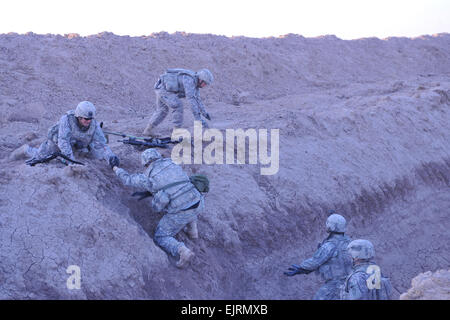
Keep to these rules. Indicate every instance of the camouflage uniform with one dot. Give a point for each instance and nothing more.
(355, 286)
(67, 136)
(187, 88)
(181, 203)
(333, 263)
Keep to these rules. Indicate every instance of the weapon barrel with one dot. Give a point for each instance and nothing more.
(123, 135)
(143, 143)
(159, 141)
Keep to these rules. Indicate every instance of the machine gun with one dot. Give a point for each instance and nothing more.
(143, 142)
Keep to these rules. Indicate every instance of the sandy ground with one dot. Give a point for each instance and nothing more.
(363, 130)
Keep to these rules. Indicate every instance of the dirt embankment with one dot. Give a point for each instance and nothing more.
(363, 131)
(429, 286)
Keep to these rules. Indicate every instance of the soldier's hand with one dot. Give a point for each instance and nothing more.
(114, 161)
(293, 270)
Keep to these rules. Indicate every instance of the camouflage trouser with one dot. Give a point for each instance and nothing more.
(164, 100)
(48, 147)
(170, 225)
(330, 290)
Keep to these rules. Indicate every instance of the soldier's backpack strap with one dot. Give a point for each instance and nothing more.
(348, 278)
(200, 182)
(176, 184)
(173, 184)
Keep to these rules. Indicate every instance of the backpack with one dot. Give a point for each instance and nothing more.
(384, 293)
(170, 79)
(200, 182)
(340, 263)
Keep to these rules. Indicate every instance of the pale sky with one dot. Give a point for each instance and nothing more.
(347, 19)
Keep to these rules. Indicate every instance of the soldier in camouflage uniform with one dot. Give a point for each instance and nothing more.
(331, 260)
(176, 84)
(366, 281)
(174, 195)
(77, 130)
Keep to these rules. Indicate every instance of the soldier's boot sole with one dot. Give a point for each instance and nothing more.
(186, 256)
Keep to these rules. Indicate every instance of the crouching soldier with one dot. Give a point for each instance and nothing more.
(331, 260)
(174, 195)
(76, 131)
(174, 85)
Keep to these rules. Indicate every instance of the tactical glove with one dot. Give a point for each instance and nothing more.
(114, 161)
(207, 116)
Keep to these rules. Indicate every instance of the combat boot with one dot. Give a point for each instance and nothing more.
(19, 153)
(191, 230)
(186, 256)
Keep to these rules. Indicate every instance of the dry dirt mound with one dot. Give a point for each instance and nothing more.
(429, 286)
(363, 130)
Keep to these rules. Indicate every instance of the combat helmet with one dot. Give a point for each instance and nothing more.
(150, 155)
(206, 76)
(336, 223)
(361, 249)
(85, 109)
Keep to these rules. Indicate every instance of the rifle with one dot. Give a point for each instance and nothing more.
(143, 142)
(32, 162)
